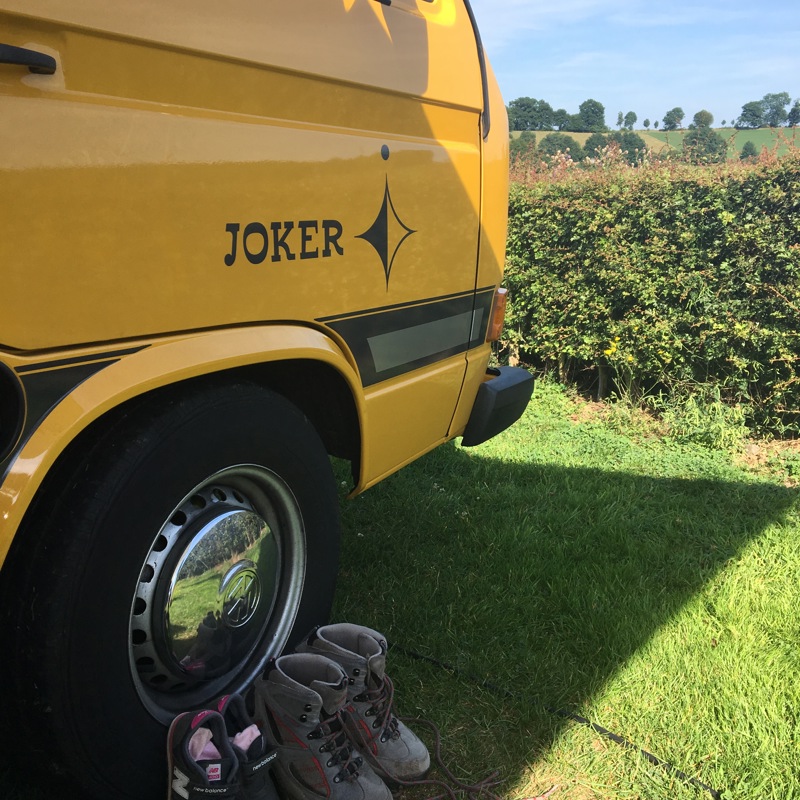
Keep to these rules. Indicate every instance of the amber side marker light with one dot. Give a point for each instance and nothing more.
(498, 315)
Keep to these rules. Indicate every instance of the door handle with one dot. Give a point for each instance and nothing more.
(40, 63)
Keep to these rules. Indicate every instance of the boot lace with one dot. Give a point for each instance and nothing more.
(337, 745)
(381, 700)
(448, 787)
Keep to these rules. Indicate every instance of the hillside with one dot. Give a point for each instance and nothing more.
(657, 141)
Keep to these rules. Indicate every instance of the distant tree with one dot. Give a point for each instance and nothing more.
(592, 115)
(703, 119)
(702, 145)
(519, 114)
(522, 146)
(630, 120)
(793, 117)
(594, 144)
(560, 119)
(529, 114)
(631, 144)
(559, 142)
(775, 108)
(655, 124)
(673, 119)
(724, 122)
(749, 150)
(752, 115)
(620, 120)
(646, 124)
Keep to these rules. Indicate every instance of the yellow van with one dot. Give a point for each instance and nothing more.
(236, 238)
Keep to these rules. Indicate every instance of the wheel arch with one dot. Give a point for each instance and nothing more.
(301, 364)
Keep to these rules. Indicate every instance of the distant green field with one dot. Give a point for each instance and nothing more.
(651, 141)
(780, 138)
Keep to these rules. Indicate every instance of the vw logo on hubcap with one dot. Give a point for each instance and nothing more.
(239, 594)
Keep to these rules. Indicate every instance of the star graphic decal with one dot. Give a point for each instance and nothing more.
(387, 233)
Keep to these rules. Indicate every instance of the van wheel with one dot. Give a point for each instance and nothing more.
(197, 538)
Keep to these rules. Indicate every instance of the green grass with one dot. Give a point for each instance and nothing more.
(582, 561)
(647, 585)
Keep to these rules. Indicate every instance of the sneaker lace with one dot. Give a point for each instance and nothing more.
(336, 743)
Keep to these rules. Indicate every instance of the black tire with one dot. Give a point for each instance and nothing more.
(97, 649)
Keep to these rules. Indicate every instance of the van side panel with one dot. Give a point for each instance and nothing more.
(187, 169)
(198, 171)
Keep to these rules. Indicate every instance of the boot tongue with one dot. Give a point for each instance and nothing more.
(375, 653)
(334, 695)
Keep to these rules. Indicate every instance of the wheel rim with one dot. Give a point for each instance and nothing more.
(219, 591)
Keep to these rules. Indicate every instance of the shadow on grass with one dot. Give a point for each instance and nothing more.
(540, 579)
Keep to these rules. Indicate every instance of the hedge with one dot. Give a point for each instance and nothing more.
(663, 277)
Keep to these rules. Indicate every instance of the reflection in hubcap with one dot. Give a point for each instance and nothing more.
(218, 592)
(213, 613)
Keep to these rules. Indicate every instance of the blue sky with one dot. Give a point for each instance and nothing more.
(645, 57)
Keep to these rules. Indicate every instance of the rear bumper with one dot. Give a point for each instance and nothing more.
(499, 404)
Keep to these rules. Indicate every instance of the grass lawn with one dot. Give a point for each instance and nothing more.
(582, 563)
(649, 586)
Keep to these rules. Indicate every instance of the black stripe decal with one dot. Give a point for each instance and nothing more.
(49, 382)
(44, 390)
(412, 304)
(65, 362)
(396, 340)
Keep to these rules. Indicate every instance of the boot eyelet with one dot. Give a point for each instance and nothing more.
(337, 779)
(307, 707)
(376, 723)
(303, 718)
(356, 672)
(351, 681)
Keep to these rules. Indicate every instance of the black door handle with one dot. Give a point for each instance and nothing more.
(40, 63)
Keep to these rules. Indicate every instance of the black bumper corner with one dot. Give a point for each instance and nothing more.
(499, 404)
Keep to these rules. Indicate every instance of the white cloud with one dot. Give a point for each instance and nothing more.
(503, 21)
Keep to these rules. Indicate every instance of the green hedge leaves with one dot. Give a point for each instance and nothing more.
(664, 278)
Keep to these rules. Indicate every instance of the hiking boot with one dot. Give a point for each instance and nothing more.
(201, 761)
(396, 752)
(251, 749)
(300, 700)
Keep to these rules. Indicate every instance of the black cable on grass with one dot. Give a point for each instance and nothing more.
(614, 737)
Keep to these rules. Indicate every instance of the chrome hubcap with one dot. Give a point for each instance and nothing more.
(219, 591)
